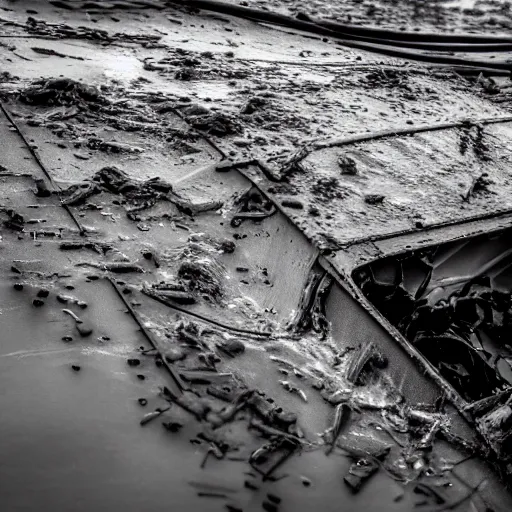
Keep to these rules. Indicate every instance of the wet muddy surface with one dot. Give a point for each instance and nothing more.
(70, 432)
(184, 196)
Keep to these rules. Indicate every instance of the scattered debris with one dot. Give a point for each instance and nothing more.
(60, 91)
(327, 189)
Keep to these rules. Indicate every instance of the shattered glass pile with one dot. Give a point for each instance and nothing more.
(453, 302)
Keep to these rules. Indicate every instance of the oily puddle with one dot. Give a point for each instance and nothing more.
(453, 302)
(71, 440)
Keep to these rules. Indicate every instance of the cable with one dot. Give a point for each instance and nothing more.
(411, 131)
(361, 38)
(325, 27)
(206, 319)
(399, 35)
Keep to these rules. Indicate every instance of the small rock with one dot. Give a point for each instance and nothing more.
(133, 362)
(83, 329)
(347, 165)
(82, 156)
(174, 354)
(195, 109)
(38, 303)
(254, 104)
(81, 304)
(269, 506)
(241, 143)
(224, 166)
(141, 377)
(273, 498)
(173, 426)
(67, 338)
(142, 401)
(75, 367)
(43, 293)
(292, 203)
(234, 347)
(374, 198)
(306, 482)
(18, 287)
(228, 246)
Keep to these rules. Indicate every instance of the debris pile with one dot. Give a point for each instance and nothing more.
(137, 195)
(326, 189)
(218, 124)
(460, 323)
(60, 91)
(63, 30)
(252, 206)
(389, 78)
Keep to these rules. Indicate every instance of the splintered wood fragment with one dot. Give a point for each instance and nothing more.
(341, 417)
(150, 416)
(291, 447)
(73, 316)
(367, 354)
(202, 494)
